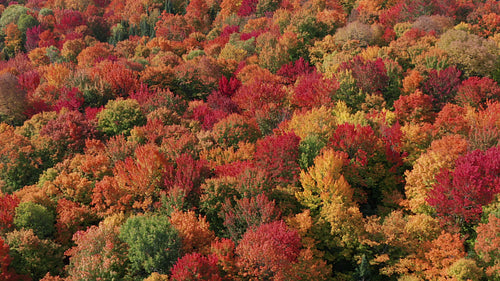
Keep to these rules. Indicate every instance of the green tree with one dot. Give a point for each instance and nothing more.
(120, 116)
(33, 216)
(154, 244)
(11, 15)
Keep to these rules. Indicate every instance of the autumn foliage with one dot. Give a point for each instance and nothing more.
(249, 140)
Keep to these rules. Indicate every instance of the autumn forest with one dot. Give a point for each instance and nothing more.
(249, 140)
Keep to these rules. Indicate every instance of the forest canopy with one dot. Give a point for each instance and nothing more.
(249, 140)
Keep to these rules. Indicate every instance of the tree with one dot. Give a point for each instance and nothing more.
(8, 204)
(136, 182)
(72, 217)
(375, 164)
(98, 253)
(416, 107)
(484, 133)
(259, 92)
(314, 90)
(371, 76)
(331, 201)
(66, 134)
(13, 40)
(324, 181)
(278, 157)
(247, 213)
(235, 128)
(446, 250)
(268, 251)
(194, 232)
(488, 244)
(442, 86)
(215, 192)
(223, 249)
(72, 48)
(198, 15)
(355, 31)
(473, 55)
(36, 217)
(451, 120)
(196, 267)
(92, 54)
(12, 99)
(154, 244)
(466, 269)
(173, 27)
(185, 179)
(6, 272)
(34, 256)
(120, 116)
(392, 240)
(476, 91)
(12, 14)
(442, 154)
(291, 71)
(196, 78)
(459, 195)
(121, 79)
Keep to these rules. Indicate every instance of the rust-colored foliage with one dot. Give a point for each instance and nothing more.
(93, 54)
(451, 120)
(121, 79)
(194, 232)
(223, 249)
(71, 217)
(415, 107)
(173, 27)
(488, 245)
(136, 183)
(446, 250)
(197, 14)
(412, 81)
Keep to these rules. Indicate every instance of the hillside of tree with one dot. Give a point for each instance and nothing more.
(250, 140)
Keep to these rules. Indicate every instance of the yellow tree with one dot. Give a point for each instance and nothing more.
(330, 198)
(395, 240)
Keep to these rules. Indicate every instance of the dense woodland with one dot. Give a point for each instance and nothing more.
(249, 140)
